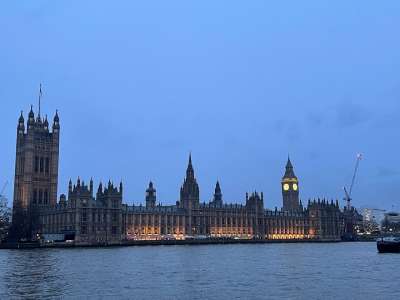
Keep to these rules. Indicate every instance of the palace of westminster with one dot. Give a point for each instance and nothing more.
(88, 216)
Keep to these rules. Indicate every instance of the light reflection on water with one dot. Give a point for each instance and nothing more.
(294, 271)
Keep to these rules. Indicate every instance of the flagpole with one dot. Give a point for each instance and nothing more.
(40, 96)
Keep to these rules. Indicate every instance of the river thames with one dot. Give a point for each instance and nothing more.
(257, 271)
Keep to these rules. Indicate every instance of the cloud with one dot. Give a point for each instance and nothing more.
(349, 114)
(314, 119)
(387, 172)
(280, 125)
(313, 155)
(290, 128)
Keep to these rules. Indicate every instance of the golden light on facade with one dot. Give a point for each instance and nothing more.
(290, 180)
(286, 236)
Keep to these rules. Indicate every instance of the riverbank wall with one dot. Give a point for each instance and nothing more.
(159, 243)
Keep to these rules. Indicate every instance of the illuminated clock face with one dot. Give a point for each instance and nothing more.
(286, 187)
(295, 187)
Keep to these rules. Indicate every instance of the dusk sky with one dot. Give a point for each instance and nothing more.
(240, 84)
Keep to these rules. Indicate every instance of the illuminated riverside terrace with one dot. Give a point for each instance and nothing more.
(88, 217)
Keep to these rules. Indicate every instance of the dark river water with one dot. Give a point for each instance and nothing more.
(263, 271)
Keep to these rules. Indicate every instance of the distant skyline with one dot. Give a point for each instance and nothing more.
(139, 86)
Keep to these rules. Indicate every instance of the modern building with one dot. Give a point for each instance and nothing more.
(86, 217)
(372, 219)
(391, 223)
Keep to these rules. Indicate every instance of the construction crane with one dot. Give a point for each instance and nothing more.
(4, 188)
(348, 193)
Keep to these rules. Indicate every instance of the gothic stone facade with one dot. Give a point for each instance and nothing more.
(87, 219)
(102, 218)
(36, 170)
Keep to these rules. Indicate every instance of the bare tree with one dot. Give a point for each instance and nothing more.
(5, 217)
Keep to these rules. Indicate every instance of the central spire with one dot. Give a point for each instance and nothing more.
(190, 170)
(190, 189)
(217, 195)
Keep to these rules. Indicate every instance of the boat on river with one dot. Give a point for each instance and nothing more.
(388, 245)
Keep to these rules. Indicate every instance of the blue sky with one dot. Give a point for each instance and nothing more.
(141, 84)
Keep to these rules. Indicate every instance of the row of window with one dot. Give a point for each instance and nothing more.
(84, 217)
(42, 165)
(40, 196)
(21, 166)
(175, 220)
(64, 218)
(84, 229)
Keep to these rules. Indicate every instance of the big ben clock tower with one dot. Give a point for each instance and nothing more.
(290, 189)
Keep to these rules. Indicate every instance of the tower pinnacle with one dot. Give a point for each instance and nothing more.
(31, 114)
(189, 195)
(217, 195)
(289, 173)
(21, 117)
(190, 170)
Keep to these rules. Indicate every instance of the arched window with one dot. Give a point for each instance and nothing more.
(47, 167)
(41, 165)
(35, 196)
(46, 197)
(36, 164)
